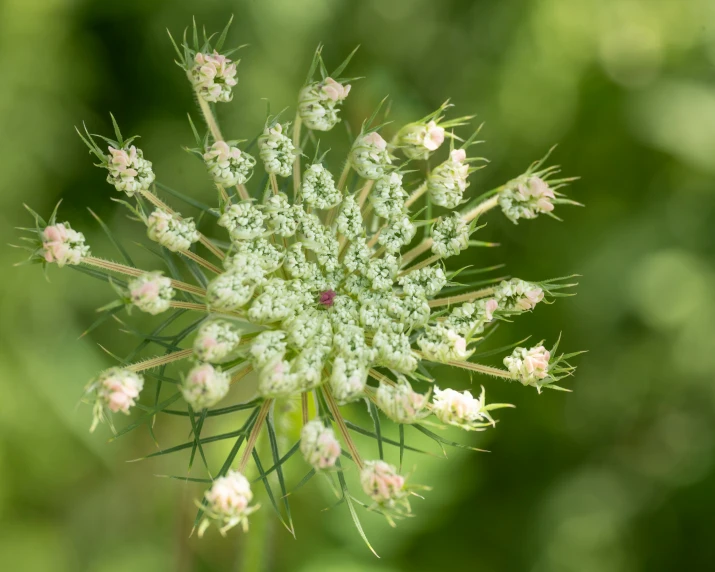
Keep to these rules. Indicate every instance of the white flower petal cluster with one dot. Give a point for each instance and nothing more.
(399, 232)
(243, 221)
(216, 341)
(450, 236)
(129, 171)
(349, 221)
(383, 484)
(448, 181)
(369, 156)
(257, 256)
(348, 378)
(461, 409)
(388, 197)
(419, 140)
(382, 271)
(470, 318)
(282, 217)
(151, 292)
(529, 366)
(278, 300)
(204, 386)
(228, 165)
(427, 281)
(318, 189)
(401, 403)
(171, 231)
(116, 389)
(62, 245)
(231, 291)
(527, 199)
(318, 103)
(228, 503)
(440, 343)
(394, 350)
(276, 151)
(213, 76)
(517, 295)
(318, 445)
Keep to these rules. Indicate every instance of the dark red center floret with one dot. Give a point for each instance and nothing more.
(328, 297)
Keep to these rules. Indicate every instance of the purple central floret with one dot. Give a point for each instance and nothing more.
(328, 297)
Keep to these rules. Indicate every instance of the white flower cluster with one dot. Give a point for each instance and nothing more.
(62, 245)
(517, 295)
(318, 188)
(450, 236)
(318, 103)
(171, 231)
(228, 503)
(419, 140)
(384, 485)
(213, 76)
(388, 197)
(529, 366)
(463, 409)
(399, 232)
(470, 318)
(129, 171)
(151, 292)
(448, 181)
(228, 165)
(369, 156)
(243, 221)
(443, 344)
(204, 386)
(231, 290)
(318, 445)
(216, 341)
(116, 389)
(276, 151)
(401, 403)
(527, 199)
(282, 217)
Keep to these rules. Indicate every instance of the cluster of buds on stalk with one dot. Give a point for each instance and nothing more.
(318, 290)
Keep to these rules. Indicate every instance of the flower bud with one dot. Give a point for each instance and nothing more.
(213, 76)
(243, 221)
(116, 389)
(254, 257)
(129, 172)
(230, 291)
(517, 295)
(151, 292)
(400, 403)
(228, 502)
(228, 165)
(171, 231)
(319, 446)
(369, 155)
(275, 379)
(318, 103)
(204, 386)
(388, 197)
(526, 199)
(442, 344)
(216, 341)
(383, 484)
(62, 245)
(318, 190)
(419, 140)
(462, 409)
(529, 366)
(450, 236)
(277, 151)
(448, 181)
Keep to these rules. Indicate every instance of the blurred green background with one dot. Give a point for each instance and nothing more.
(617, 476)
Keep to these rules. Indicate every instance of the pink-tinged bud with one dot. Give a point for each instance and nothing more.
(375, 139)
(116, 389)
(490, 307)
(151, 292)
(458, 155)
(382, 483)
(434, 136)
(334, 90)
(228, 503)
(62, 245)
(204, 386)
(529, 366)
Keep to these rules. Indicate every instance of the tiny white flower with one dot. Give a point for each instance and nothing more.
(439, 343)
(230, 291)
(318, 445)
(394, 351)
(213, 76)
(399, 232)
(419, 140)
(349, 221)
(348, 379)
(427, 281)
(275, 379)
(151, 292)
(62, 245)
(204, 386)
(282, 217)
(388, 197)
(517, 295)
(268, 346)
(383, 271)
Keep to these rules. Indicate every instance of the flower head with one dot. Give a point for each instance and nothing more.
(369, 156)
(216, 341)
(384, 485)
(318, 103)
(448, 181)
(116, 389)
(243, 221)
(442, 344)
(463, 409)
(529, 366)
(419, 140)
(62, 245)
(401, 403)
(213, 76)
(318, 188)
(276, 151)
(171, 231)
(388, 197)
(151, 292)
(228, 165)
(318, 445)
(129, 171)
(204, 386)
(228, 503)
(527, 198)
(450, 236)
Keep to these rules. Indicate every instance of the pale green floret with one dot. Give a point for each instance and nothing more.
(450, 236)
(399, 232)
(260, 251)
(357, 255)
(426, 281)
(348, 379)
(349, 221)
(369, 156)
(318, 190)
(267, 346)
(276, 151)
(230, 291)
(281, 217)
(243, 221)
(388, 197)
(382, 271)
(394, 351)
